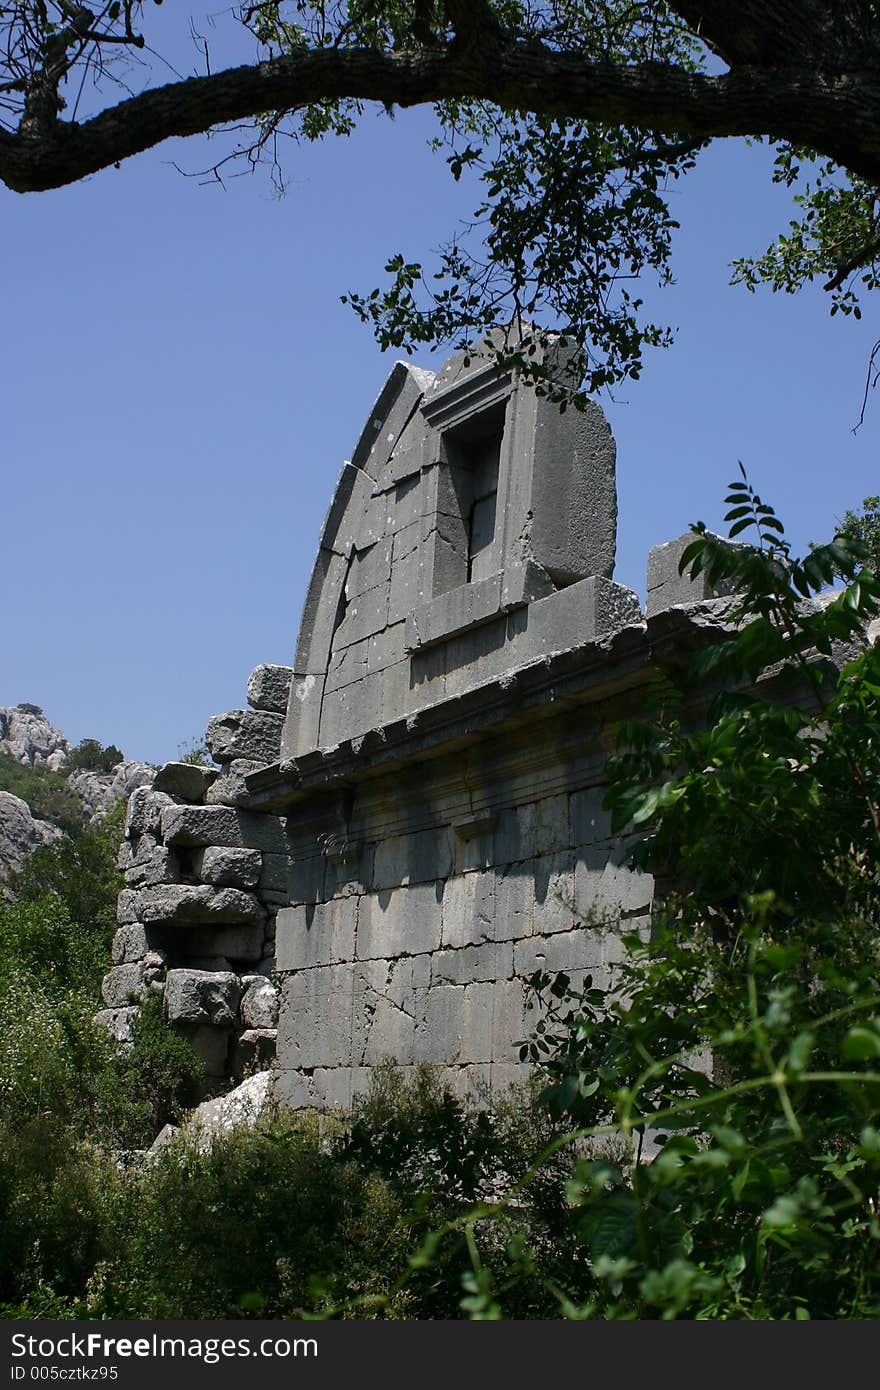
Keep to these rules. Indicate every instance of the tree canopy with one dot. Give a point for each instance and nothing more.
(572, 117)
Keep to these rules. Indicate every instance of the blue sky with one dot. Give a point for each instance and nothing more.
(180, 386)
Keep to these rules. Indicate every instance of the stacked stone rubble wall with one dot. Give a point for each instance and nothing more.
(203, 883)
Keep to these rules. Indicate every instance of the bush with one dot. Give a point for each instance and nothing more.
(47, 793)
(741, 1042)
(90, 756)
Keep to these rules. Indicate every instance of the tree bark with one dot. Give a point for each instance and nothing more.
(836, 113)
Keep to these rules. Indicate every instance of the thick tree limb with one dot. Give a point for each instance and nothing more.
(837, 114)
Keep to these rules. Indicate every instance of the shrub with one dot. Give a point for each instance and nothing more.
(90, 756)
(47, 793)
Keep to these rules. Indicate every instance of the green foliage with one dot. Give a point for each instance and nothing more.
(198, 754)
(47, 793)
(90, 756)
(81, 875)
(742, 1035)
(864, 527)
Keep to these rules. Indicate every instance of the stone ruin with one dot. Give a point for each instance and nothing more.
(408, 823)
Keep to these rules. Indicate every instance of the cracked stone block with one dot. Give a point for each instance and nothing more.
(224, 867)
(468, 909)
(390, 1033)
(143, 815)
(202, 996)
(268, 688)
(150, 870)
(251, 734)
(199, 826)
(259, 1002)
(581, 949)
(491, 961)
(186, 904)
(323, 1017)
(186, 780)
(404, 921)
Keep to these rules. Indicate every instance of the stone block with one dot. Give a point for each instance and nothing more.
(230, 788)
(370, 568)
(666, 587)
(268, 688)
(149, 870)
(407, 979)
(468, 909)
(295, 1090)
(253, 1051)
(516, 835)
(605, 891)
(124, 983)
(556, 902)
(577, 463)
(460, 608)
(366, 614)
(127, 906)
(251, 734)
(186, 905)
(577, 950)
(118, 1022)
(402, 921)
(347, 665)
(323, 1017)
(514, 902)
(143, 815)
(589, 822)
(202, 996)
(306, 878)
(509, 1019)
(228, 868)
(198, 826)
(551, 824)
(235, 943)
(390, 1032)
(416, 858)
(578, 615)
(186, 780)
(275, 873)
(211, 1046)
(316, 934)
(130, 944)
(259, 1002)
(386, 648)
(491, 961)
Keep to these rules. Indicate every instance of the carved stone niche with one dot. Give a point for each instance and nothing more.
(472, 533)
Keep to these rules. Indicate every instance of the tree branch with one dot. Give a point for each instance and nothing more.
(836, 115)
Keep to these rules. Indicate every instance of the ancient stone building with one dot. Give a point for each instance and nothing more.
(408, 823)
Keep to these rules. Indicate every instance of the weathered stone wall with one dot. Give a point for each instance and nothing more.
(204, 880)
(408, 824)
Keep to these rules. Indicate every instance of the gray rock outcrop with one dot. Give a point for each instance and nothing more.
(20, 834)
(27, 735)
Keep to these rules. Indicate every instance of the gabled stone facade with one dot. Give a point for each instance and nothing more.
(408, 823)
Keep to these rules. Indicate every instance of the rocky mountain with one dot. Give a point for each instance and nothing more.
(49, 786)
